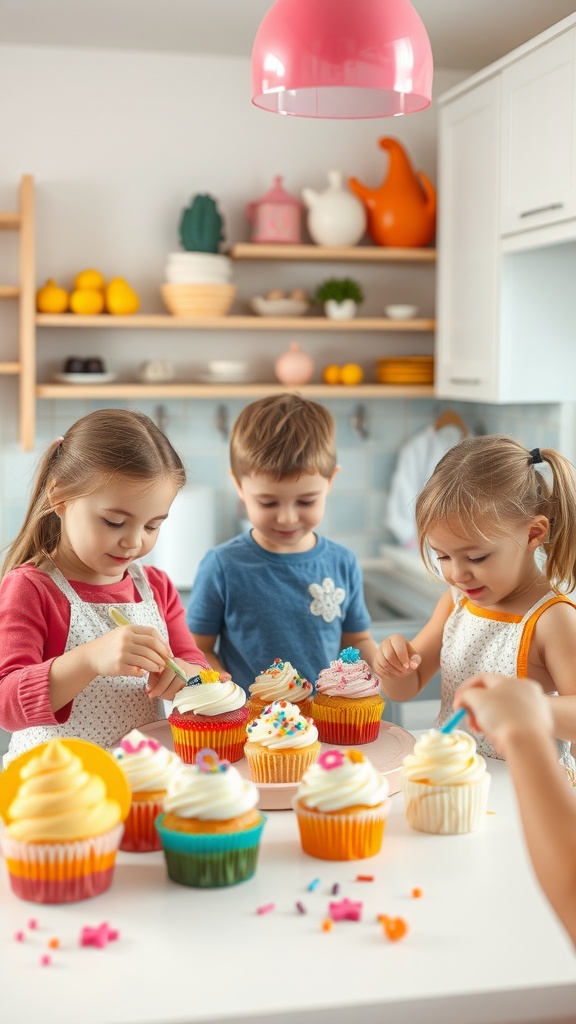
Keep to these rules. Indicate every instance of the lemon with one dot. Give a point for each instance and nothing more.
(351, 374)
(331, 374)
(89, 279)
(87, 301)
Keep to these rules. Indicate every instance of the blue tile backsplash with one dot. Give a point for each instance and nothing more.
(355, 509)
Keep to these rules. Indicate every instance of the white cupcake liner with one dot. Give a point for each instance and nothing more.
(446, 810)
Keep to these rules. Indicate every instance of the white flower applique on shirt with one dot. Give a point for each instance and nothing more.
(327, 599)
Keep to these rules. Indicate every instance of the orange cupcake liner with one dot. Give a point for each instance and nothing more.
(341, 836)
(279, 765)
(346, 721)
(227, 742)
(140, 835)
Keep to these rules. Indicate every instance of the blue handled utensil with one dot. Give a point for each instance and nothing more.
(120, 620)
(454, 721)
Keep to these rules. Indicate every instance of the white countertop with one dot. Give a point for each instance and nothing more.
(483, 945)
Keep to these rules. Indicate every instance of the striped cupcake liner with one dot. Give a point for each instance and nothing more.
(446, 810)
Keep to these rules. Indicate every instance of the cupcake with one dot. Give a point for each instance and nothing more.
(148, 767)
(341, 807)
(445, 783)
(209, 713)
(211, 828)
(62, 804)
(281, 744)
(347, 706)
(279, 682)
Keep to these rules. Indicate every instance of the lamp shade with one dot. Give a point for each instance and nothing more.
(341, 59)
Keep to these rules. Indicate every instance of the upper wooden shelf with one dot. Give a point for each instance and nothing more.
(128, 389)
(340, 253)
(233, 323)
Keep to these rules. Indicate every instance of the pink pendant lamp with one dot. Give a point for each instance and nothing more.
(342, 58)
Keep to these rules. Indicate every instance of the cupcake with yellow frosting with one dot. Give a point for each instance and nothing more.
(281, 744)
(209, 713)
(62, 806)
(211, 827)
(148, 767)
(347, 706)
(445, 784)
(280, 681)
(341, 807)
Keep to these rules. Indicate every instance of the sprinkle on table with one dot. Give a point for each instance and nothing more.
(335, 889)
(266, 908)
(394, 928)
(33, 924)
(416, 892)
(364, 878)
(19, 937)
(313, 885)
(99, 936)
(45, 960)
(53, 943)
(346, 910)
(327, 925)
(301, 908)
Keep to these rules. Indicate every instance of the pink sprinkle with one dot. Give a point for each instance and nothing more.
(19, 937)
(346, 910)
(32, 924)
(266, 908)
(99, 937)
(45, 960)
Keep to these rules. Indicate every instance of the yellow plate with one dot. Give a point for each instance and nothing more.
(94, 759)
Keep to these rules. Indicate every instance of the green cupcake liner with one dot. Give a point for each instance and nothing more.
(209, 860)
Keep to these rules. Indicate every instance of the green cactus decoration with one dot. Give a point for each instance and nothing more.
(201, 228)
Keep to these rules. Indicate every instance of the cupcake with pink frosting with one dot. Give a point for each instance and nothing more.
(347, 706)
(148, 767)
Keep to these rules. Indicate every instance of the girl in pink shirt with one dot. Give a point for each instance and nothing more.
(101, 494)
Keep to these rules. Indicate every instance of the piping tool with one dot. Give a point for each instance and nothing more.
(453, 721)
(121, 620)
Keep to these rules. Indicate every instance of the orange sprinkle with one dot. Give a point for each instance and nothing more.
(53, 943)
(395, 928)
(364, 878)
(327, 925)
(416, 893)
(356, 756)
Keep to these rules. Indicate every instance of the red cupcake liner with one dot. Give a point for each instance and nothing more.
(226, 734)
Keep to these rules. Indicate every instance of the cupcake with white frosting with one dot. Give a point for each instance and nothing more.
(209, 713)
(148, 767)
(280, 681)
(445, 784)
(282, 743)
(347, 706)
(211, 828)
(341, 807)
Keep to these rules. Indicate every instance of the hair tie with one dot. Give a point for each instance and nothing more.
(535, 456)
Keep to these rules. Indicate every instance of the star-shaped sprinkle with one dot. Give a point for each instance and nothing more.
(99, 936)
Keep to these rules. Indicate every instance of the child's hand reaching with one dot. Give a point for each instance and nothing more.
(505, 709)
(395, 658)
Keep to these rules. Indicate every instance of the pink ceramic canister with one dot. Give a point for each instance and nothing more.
(276, 216)
(294, 366)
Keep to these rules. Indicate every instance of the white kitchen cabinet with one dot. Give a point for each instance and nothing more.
(538, 132)
(468, 261)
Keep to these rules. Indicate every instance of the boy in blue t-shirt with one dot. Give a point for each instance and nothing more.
(280, 590)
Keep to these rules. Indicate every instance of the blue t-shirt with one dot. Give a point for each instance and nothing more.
(263, 605)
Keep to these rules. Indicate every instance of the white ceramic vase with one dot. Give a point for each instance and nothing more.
(335, 216)
(344, 310)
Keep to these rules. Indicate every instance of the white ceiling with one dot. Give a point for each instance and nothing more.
(465, 34)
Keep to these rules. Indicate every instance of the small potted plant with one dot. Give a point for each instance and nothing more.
(341, 297)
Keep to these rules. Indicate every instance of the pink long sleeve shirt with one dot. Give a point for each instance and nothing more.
(34, 623)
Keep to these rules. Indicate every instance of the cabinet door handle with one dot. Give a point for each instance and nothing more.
(465, 380)
(541, 209)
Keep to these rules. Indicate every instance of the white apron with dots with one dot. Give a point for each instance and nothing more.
(480, 640)
(110, 706)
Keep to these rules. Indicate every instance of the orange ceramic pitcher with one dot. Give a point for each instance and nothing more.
(402, 210)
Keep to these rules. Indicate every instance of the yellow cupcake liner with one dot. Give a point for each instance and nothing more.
(228, 743)
(279, 765)
(256, 706)
(341, 836)
(446, 810)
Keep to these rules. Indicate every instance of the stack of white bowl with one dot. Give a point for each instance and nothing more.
(198, 284)
(226, 371)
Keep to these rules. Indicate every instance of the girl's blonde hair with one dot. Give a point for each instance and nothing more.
(104, 444)
(485, 483)
(283, 436)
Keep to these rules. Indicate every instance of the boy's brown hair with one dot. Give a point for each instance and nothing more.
(283, 436)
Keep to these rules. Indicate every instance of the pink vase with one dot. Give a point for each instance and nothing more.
(294, 366)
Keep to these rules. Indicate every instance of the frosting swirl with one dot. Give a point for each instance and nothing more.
(280, 681)
(148, 765)
(444, 759)
(58, 800)
(348, 676)
(210, 698)
(280, 726)
(337, 782)
(209, 796)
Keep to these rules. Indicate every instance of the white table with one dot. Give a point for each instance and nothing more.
(483, 945)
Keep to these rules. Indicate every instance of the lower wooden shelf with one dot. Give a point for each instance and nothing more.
(127, 390)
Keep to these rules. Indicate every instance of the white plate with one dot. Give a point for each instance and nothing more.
(220, 378)
(386, 753)
(84, 378)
